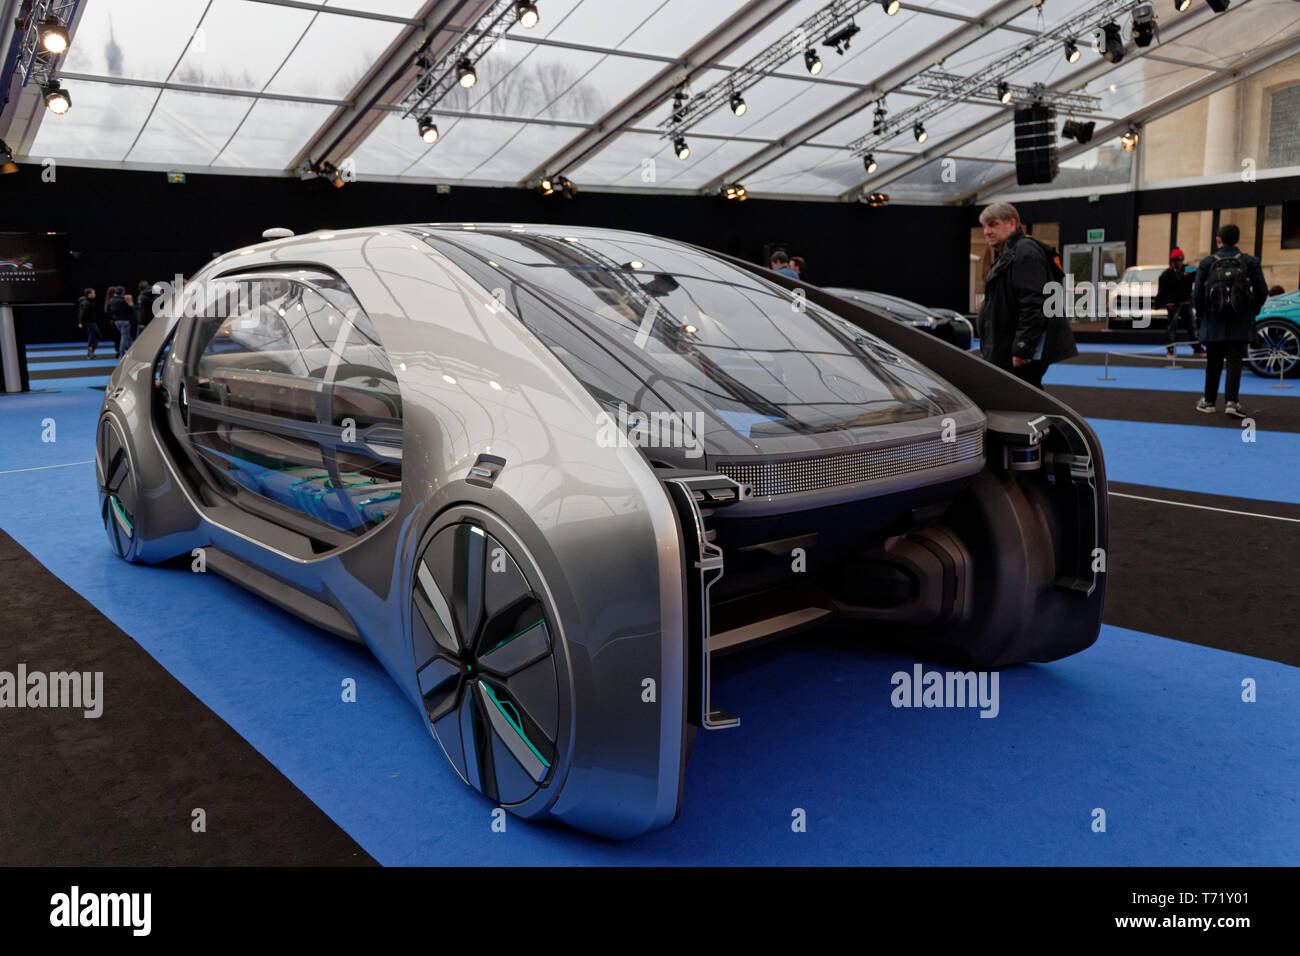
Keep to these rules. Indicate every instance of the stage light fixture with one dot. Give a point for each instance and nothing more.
(738, 104)
(465, 74)
(1112, 42)
(1129, 139)
(1218, 6)
(1181, 5)
(429, 130)
(546, 187)
(877, 199)
(57, 99)
(1071, 52)
(919, 132)
(870, 164)
(52, 35)
(1004, 92)
(567, 189)
(8, 165)
(839, 40)
(1144, 24)
(680, 148)
(812, 61)
(891, 6)
(526, 14)
(1075, 130)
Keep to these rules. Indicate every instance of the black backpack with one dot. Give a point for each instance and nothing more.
(1228, 291)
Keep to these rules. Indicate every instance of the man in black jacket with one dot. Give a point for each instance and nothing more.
(1229, 290)
(86, 320)
(1016, 333)
(1174, 293)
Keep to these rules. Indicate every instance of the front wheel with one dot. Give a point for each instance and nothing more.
(119, 489)
(1278, 351)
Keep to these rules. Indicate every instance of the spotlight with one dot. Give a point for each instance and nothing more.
(567, 189)
(877, 199)
(891, 6)
(1071, 52)
(812, 61)
(1081, 132)
(870, 164)
(680, 148)
(56, 97)
(526, 14)
(546, 187)
(738, 104)
(735, 191)
(53, 35)
(428, 130)
(840, 39)
(1004, 92)
(1218, 6)
(465, 74)
(1181, 5)
(1112, 42)
(327, 170)
(1129, 139)
(1144, 24)
(919, 132)
(8, 165)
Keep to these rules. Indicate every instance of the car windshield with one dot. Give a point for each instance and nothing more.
(1144, 274)
(764, 361)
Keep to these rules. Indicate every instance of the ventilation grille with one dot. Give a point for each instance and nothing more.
(832, 471)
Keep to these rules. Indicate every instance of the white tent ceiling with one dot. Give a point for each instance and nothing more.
(260, 85)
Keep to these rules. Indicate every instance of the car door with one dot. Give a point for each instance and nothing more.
(287, 403)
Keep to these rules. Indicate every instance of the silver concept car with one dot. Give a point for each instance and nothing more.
(548, 473)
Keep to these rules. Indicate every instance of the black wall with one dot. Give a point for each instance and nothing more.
(125, 226)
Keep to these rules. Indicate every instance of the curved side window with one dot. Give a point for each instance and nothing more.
(291, 398)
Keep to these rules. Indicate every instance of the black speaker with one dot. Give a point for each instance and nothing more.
(1035, 145)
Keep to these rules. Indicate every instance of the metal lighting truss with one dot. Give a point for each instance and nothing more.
(441, 77)
(34, 64)
(984, 85)
(944, 84)
(808, 34)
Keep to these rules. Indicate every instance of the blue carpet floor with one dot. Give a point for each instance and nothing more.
(1151, 730)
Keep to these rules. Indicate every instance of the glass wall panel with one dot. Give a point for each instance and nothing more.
(1153, 239)
(1281, 266)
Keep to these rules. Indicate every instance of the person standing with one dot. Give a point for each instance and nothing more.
(799, 265)
(1228, 292)
(781, 264)
(1174, 293)
(87, 320)
(1016, 332)
(144, 297)
(122, 315)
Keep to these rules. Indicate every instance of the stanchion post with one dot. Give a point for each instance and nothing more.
(1107, 377)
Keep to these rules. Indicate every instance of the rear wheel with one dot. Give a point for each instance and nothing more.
(485, 654)
(1278, 351)
(119, 489)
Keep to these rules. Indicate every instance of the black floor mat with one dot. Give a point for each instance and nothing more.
(121, 788)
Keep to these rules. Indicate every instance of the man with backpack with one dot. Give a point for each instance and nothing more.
(1016, 333)
(1229, 290)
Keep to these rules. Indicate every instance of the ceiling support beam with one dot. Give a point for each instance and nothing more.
(1187, 22)
(438, 25)
(1262, 60)
(727, 37)
(992, 18)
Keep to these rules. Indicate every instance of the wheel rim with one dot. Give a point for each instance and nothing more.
(1278, 351)
(485, 663)
(118, 493)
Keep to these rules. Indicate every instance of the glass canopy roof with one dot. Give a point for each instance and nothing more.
(256, 85)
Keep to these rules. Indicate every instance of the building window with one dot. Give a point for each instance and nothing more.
(1284, 128)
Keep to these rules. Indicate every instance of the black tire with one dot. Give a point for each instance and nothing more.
(119, 489)
(1278, 351)
(489, 660)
